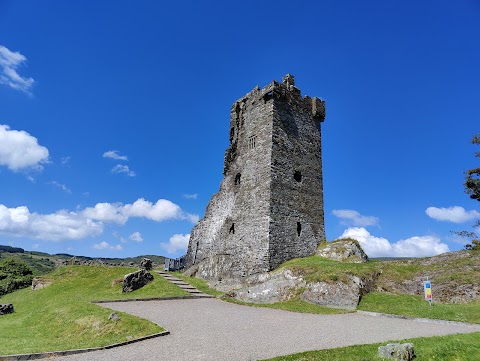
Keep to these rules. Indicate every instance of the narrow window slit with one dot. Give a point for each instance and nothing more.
(297, 176)
(299, 228)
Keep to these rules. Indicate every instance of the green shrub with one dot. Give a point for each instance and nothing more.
(14, 275)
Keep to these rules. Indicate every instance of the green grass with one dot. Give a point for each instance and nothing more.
(61, 317)
(318, 269)
(415, 306)
(464, 347)
(293, 305)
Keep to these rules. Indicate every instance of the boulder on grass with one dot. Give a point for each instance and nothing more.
(397, 351)
(4, 309)
(135, 280)
(146, 264)
(39, 283)
(114, 317)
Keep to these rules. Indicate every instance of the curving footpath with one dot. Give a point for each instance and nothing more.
(210, 329)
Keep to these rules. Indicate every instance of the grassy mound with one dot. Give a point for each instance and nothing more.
(463, 347)
(416, 306)
(61, 317)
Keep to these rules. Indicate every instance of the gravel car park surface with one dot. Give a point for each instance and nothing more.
(210, 329)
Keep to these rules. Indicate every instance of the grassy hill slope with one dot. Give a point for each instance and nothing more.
(61, 317)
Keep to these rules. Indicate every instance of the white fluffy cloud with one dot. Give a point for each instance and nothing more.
(352, 217)
(106, 246)
(58, 226)
(193, 218)
(120, 168)
(20, 150)
(114, 155)
(90, 221)
(178, 242)
(454, 214)
(136, 236)
(9, 62)
(106, 212)
(417, 246)
(160, 211)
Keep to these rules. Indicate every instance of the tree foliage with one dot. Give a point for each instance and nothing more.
(472, 179)
(11, 249)
(14, 274)
(472, 188)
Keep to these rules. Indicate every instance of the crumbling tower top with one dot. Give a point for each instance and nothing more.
(288, 79)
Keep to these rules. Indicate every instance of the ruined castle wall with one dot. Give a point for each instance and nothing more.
(297, 221)
(269, 208)
(232, 239)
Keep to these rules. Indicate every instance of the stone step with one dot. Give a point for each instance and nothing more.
(179, 282)
(182, 284)
(190, 289)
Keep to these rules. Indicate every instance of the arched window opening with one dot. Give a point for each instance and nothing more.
(232, 229)
(237, 179)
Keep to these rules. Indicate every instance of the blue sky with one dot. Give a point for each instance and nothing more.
(114, 116)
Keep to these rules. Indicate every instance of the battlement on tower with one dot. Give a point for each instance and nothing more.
(286, 90)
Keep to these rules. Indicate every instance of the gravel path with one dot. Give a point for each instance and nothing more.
(209, 329)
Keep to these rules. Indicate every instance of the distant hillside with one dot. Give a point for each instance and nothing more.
(42, 263)
(11, 249)
(38, 264)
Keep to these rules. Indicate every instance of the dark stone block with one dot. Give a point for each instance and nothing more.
(5, 309)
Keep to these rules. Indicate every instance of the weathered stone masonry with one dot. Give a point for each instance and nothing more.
(270, 205)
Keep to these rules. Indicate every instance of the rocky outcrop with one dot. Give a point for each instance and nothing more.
(271, 287)
(338, 294)
(5, 309)
(283, 285)
(146, 264)
(39, 283)
(397, 351)
(343, 250)
(135, 280)
(455, 277)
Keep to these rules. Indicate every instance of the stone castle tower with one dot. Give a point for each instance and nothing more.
(270, 205)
